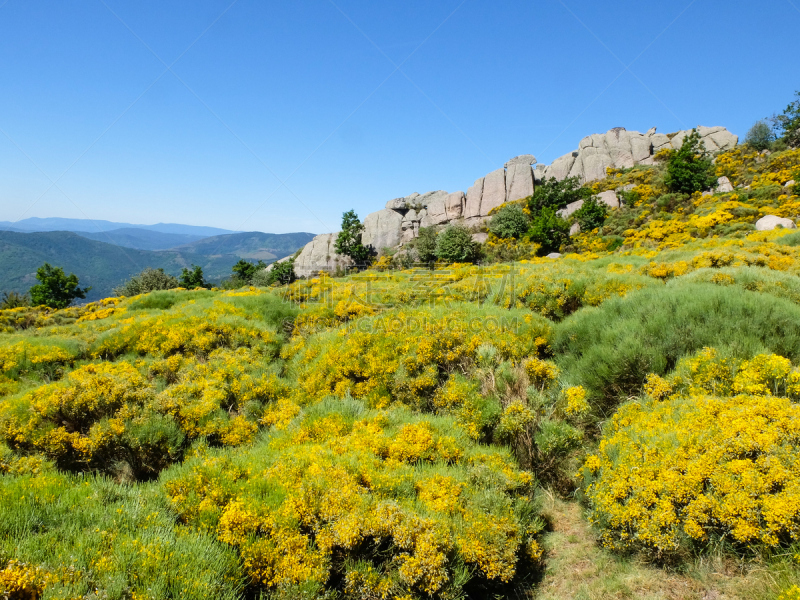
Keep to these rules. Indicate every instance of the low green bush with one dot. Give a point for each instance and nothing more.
(611, 349)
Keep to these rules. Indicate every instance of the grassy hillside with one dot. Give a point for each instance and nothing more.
(251, 245)
(621, 422)
(101, 265)
(141, 239)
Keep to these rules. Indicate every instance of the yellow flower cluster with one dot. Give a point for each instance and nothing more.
(331, 491)
(702, 463)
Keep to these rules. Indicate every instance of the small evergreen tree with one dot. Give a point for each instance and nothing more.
(424, 245)
(348, 242)
(55, 289)
(549, 230)
(245, 270)
(556, 194)
(149, 280)
(689, 170)
(191, 279)
(592, 214)
(510, 221)
(787, 125)
(760, 136)
(455, 244)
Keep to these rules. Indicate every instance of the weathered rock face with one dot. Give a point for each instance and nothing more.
(320, 255)
(570, 208)
(618, 148)
(519, 178)
(474, 194)
(382, 229)
(494, 191)
(609, 198)
(772, 222)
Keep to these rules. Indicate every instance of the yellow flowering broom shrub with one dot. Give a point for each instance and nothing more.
(677, 472)
(406, 355)
(385, 502)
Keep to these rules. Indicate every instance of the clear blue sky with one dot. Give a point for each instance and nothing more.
(350, 103)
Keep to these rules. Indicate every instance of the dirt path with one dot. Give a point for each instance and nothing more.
(577, 568)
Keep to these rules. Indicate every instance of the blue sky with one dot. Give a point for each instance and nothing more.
(279, 116)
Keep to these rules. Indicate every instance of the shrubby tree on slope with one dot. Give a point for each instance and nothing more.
(689, 169)
(556, 194)
(787, 125)
(424, 245)
(455, 244)
(509, 222)
(549, 230)
(278, 273)
(244, 270)
(760, 136)
(348, 243)
(56, 289)
(149, 280)
(591, 214)
(191, 279)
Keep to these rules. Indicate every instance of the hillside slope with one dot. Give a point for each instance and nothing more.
(252, 245)
(141, 239)
(100, 265)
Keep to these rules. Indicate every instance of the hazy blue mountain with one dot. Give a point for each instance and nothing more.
(59, 224)
(253, 245)
(141, 239)
(101, 265)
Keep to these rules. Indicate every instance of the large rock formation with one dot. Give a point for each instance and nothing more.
(619, 148)
(399, 222)
(320, 255)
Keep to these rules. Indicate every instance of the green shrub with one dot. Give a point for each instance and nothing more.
(281, 273)
(509, 222)
(549, 230)
(192, 279)
(787, 124)
(689, 170)
(424, 245)
(551, 193)
(455, 245)
(55, 289)
(158, 300)
(148, 280)
(611, 349)
(89, 537)
(592, 214)
(792, 239)
(760, 136)
(14, 300)
(244, 270)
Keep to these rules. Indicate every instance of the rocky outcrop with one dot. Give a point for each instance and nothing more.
(399, 222)
(771, 222)
(619, 148)
(320, 255)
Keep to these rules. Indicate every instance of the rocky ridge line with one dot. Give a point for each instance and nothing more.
(399, 222)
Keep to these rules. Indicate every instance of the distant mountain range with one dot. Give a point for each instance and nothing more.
(88, 225)
(107, 258)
